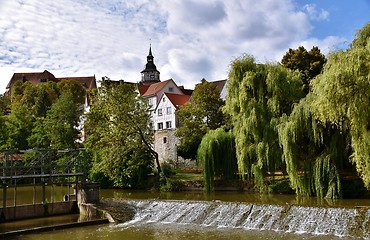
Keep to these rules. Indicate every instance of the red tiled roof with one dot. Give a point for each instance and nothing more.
(156, 87)
(142, 88)
(178, 99)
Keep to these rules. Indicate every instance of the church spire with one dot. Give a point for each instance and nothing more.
(150, 51)
(150, 74)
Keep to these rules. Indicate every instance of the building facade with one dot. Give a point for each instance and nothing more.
(164, 99)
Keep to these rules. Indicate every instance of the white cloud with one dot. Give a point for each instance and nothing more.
(315, 14)
(190, 39)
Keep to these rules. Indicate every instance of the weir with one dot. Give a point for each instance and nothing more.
(41, 168)
(342, 222)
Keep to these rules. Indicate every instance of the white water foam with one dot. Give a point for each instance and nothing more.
(342, 222)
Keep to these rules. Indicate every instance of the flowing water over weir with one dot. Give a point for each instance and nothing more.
(342, 222)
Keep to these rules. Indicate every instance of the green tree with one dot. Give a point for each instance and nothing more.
(40, 137)
(76, 89)
(216, 154)
(308, 63)
(199, 116)
(342, 97)
(43, 101)
(121, 136)
(62, 122)
(314, 153)
(258, 95)
(3, 132)
(362, 37)
(19, 124)
(4, 104)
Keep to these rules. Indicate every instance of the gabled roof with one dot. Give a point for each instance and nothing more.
(87, 82)
(156, 87)
(219, 84)
(34, 76)
(142, 88)
(177, 99)
(186, 91)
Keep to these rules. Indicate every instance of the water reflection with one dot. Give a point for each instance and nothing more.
(167, 231)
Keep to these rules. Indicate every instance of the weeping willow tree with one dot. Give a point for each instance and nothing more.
(313, 153)
(258, 95)
(341, 96)
(216, 154)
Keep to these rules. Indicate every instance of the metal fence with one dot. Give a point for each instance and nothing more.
(42, 167)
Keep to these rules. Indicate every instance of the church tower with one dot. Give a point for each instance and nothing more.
(150, 74)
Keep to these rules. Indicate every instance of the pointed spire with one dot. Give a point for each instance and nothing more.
(150, 74)
(150, 50)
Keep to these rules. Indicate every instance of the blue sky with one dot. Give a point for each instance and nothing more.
(191, 39)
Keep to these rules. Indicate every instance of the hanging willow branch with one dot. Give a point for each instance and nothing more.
(312, 152)
(258, 95)
(216, 153)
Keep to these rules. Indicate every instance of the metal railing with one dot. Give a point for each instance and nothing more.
(41, 167)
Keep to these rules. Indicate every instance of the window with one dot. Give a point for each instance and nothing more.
(164, 99)
(170, 89)
(168, 124)
(169, 110)
(160, 126)
(160, 112)
(43, 80)
(164, 140)
(150, 101)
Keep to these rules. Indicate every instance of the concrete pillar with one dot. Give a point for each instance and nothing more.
(88, 193)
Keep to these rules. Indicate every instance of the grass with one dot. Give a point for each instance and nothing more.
(187, 176)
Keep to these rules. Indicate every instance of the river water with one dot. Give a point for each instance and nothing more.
(146, 227)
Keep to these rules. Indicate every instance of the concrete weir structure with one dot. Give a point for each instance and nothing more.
(38, 210)
(87, 194)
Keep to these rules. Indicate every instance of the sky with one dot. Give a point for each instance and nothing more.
(190, 39)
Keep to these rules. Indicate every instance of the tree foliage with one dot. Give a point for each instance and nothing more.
(216, 154)
(121, 136)
(18, 125)
(313, 152)
(199, 116)
(43, 115)
(342, 97)
(76, 89)
(4, 104)
(258, 95)
(62, 122)
(308, 63)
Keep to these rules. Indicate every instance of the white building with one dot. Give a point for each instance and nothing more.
(165, 124)
(164, 99)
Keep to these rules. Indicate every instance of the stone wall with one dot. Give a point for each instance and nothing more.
(165, 144)
(38, 210)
